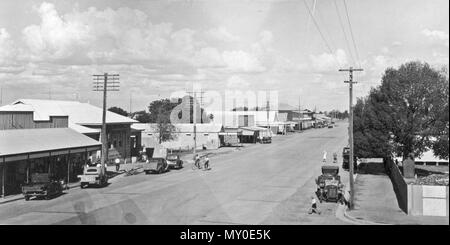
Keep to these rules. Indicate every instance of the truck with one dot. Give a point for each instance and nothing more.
(346, 159)
(157, 162)
(93, 175)
(329, 186)
(42, 185)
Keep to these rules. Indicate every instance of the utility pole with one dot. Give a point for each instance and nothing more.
(105, 82)
(350, 131)
(299, 115)
(195, 122)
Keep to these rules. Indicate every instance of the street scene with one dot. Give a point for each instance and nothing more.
(308, 112)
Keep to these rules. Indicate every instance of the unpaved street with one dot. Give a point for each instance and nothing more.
(260, 184)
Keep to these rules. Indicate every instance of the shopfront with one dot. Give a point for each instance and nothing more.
(59, 152)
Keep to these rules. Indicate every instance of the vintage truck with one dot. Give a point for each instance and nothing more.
(346, 159)
(329, 186)
(93, 175)
(42, 185)
(156, 165)
(157, 162)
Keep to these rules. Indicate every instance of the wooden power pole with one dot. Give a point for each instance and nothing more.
(350, 131)
(105, 82)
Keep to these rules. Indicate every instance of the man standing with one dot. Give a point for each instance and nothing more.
(117, 161)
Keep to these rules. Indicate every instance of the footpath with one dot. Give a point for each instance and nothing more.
(375, 201)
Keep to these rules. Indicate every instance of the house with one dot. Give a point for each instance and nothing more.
(82, 117)
(207, 136)
(253, 134)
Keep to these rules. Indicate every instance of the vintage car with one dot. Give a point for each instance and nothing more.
(42, 185)
(329, 186)
(174, 161)
(266, 140)
(156, 165)
(93, 175)
(346, 159)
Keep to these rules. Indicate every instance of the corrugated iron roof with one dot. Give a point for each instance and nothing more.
(21, 141)
(79, 113)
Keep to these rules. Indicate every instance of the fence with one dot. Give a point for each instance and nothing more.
(399, 184)
(428, 200)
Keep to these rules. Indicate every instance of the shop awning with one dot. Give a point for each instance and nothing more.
(33, 141)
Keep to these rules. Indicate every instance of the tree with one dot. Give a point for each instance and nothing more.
(141, 116)
(407, 113)
(160, 114)
(118, 110)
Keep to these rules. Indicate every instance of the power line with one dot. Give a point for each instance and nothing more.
(318, 28)
(343, 30)
(351, 33)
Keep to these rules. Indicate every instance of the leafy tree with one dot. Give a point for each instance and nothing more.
(141, 116)
(118, 110)
(407, 113)
(160, 114)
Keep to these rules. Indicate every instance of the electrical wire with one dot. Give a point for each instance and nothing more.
(351, 32)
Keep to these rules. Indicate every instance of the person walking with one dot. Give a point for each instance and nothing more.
(324, 156)
(335, 157)
(206, 163)
(197, 161)
(314, 208)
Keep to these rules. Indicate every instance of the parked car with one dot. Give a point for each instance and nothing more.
(330, 126)
(42, 185)
(266, 140)
(174, 161)
(93, 175)
(156, 165)
(346, 159)
(329, 186)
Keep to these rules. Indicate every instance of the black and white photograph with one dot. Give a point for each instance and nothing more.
(219, 113)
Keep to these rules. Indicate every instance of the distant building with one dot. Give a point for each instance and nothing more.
(207, 136)
(236, 119)
(81, 117)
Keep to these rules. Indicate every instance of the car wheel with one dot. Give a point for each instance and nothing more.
(27, 198)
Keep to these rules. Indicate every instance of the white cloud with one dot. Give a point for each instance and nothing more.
(240, 61)
(436, 35)
(329, 62)
(237, 82)
(54, 37)
(222, 34)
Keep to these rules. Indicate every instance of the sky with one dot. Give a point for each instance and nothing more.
(51, 49)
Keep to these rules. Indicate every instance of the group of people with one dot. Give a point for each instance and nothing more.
(324, 159)
(206, 161)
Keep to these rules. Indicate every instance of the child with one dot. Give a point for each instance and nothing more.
(314, 208)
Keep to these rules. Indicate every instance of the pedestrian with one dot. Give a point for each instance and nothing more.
(324, 156)
(197, 161)
(117, 164)
(335, 157)
(314, 208)
(206, 163)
